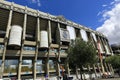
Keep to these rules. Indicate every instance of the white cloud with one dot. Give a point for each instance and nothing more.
(104, 5)
(111, 25)
(34, 2)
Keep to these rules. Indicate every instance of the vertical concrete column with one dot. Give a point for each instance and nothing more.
(102, 67)
(106, 68)
(23, 38)
(49, 32)
(92, 40)
(34, 63)
(58, 65)
(6, 39)
(3, 60)
(104, 46)
(37, 45)
(20, 63)
(47, 64)
(49, 41)
(58, 68)
(94, 68)
(101, 60)
(112, 69)
(95, 42)
(99, 69)
(109, 46)
(67, 67)
(89, 70)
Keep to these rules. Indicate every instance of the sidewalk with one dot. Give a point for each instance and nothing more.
(110, 79)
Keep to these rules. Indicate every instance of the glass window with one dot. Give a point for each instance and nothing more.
(40, 66)
(26, 66)
(1, 46)
(51, 65)
(29, 48)
(27, 62)
(11, 66)
(0, 62)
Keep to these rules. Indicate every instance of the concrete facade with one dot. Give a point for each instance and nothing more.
(30, 58)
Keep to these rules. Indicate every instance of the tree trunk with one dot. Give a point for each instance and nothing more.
(81, 72)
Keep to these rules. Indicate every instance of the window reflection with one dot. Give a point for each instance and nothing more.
(1, 46)
(30, 48)
(11, 66)
(40, 66)
(51, 65)
(26, 66)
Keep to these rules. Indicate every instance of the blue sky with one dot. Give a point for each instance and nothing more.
(95, 14)
(80, 11)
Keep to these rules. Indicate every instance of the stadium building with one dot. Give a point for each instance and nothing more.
(34, 43)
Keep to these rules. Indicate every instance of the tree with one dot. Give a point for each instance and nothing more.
(114, 60)
(81, 53)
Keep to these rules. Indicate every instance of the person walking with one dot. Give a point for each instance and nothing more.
(65, 77)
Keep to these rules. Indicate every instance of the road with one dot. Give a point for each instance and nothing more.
(110, 79)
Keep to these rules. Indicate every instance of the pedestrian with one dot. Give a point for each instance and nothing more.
(65, 77)
(119, 72)
(46, 77)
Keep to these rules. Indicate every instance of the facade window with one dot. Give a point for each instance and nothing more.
(0, 62)
(42, 50)
(1, 46)
(40, 66)
(54, 50)
(51, 65)
(26, 66)
(2, 33)
(11, 66)
(62, 51)
(29, 48)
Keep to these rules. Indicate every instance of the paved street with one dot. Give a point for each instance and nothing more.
(110, 79)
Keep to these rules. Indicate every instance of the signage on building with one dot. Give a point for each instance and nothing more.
(64, 35)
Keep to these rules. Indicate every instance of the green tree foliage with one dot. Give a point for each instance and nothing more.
(114, 60)
(81, 53)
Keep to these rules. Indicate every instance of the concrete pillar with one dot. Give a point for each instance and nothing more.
(101, 59)
(37, 45)
(23, 38)
(99, 69)
(58, 69)
(34, 63)
(20, 63)
(58, 65)
(38, 29)
(94, 68)
(102, 67)
(111, 69)
(6, 41)
(49, 41)
(3, 59)
(67, 67)
(103, 44)
(49, 32)
(9, 21)
(109, 46)
(93, 41)
(47, 64)
(106, 68)
(89, 71)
